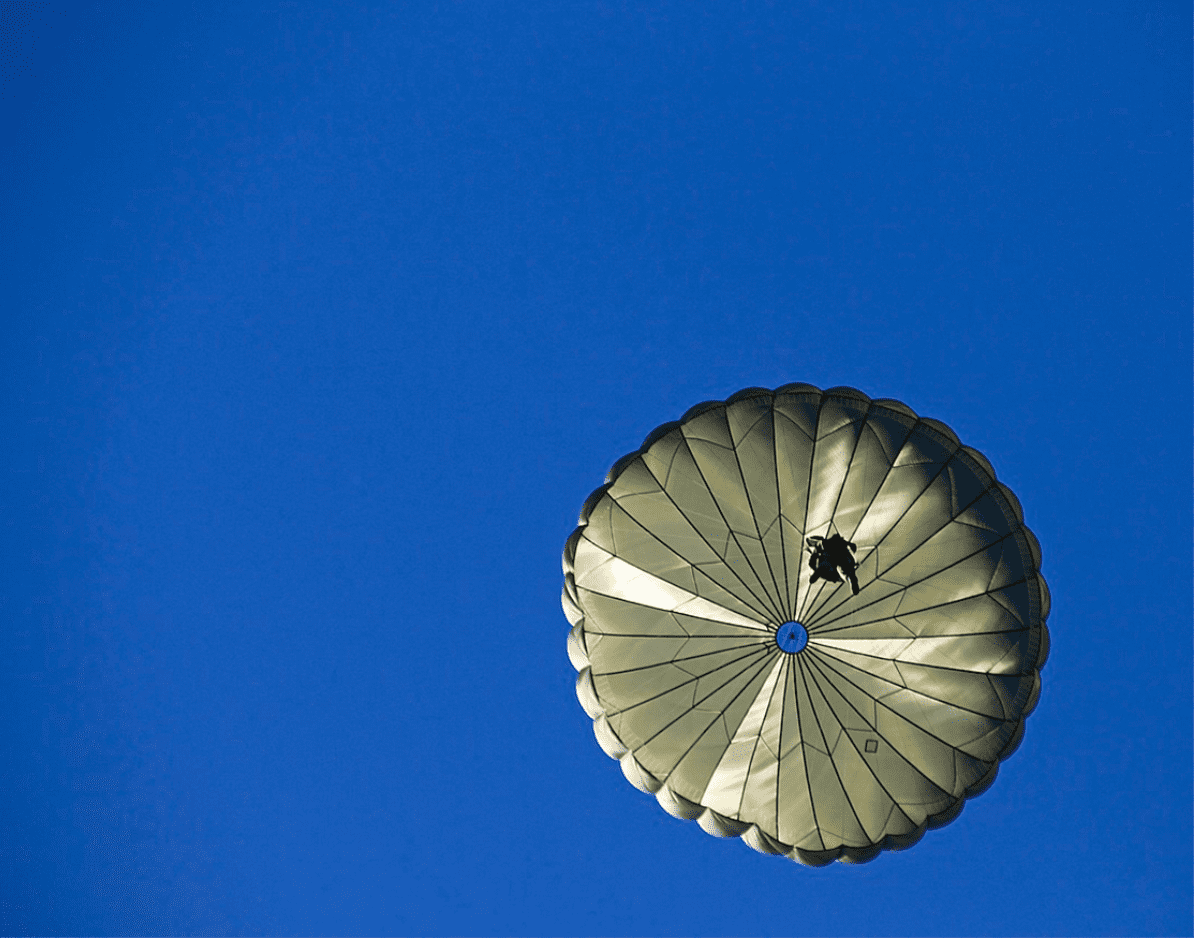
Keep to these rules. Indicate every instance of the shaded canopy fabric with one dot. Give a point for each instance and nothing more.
(695, 552)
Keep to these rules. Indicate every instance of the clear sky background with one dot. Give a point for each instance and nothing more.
(321, 322)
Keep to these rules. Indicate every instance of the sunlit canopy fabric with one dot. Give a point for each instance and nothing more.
(691, 557)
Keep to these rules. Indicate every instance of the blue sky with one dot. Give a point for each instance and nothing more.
(324, 319)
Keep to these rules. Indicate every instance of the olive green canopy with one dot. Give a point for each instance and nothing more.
(694, 553)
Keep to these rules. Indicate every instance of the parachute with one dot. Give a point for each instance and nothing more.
(809, 721)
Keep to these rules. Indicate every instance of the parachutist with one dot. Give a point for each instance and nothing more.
(831, 555)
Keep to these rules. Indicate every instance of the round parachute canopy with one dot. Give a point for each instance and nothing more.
(806, 618)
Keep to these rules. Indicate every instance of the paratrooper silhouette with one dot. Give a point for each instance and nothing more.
(832, 554)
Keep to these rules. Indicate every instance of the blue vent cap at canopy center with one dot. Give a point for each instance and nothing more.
(791, 637)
